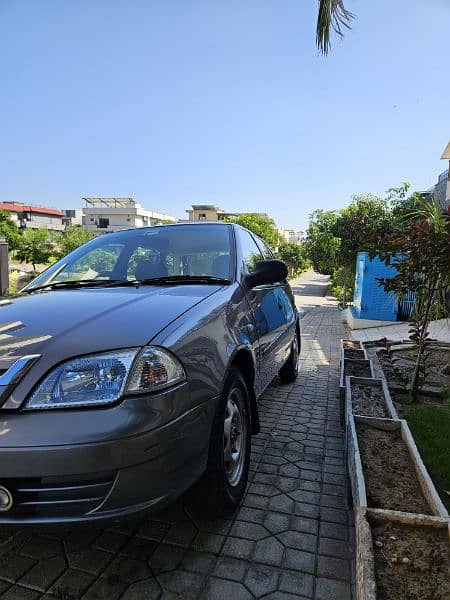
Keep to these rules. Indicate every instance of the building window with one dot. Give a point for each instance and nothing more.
(103, 223)
(202, 217)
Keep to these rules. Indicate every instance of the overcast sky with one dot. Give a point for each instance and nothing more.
(177, 102)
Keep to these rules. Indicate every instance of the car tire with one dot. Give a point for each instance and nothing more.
(223, 485)
(289, 371)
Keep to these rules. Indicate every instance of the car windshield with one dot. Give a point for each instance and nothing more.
(142, 254)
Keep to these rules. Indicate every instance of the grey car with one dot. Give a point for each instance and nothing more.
(131, 370)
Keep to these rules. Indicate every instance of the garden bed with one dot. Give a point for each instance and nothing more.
(386, 470)
(357, 368)
(398, 365)
(369, 397)
(351, 353)
(390, 477)
(402, 557)
(353, 367)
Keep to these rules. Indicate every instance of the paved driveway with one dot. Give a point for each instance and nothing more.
(289, 539)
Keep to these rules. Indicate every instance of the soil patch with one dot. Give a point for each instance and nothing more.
(390, 476)
(424, 575)
(368, 400)
(392, 376)
(398, 366)
(357, 369)
(352, 353)
(437, 365)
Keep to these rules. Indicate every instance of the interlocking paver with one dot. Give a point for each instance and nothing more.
(289, 538)
(44, 573)
(330, 589)
(269, 551)
(299, 560)
(19, 593)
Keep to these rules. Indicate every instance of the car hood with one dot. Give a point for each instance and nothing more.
(72, 322)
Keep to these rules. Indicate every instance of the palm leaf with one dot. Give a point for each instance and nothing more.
(333, 16)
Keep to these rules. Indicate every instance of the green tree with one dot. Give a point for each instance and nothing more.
(9, 230)
(335, 237)
(295, 256)
(322, 244)
(360, 226)
(72, 238)
(36, 247)
(403, 207)
(421, 257)
(262, 226)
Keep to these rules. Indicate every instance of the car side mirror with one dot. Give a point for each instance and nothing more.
(267, 271)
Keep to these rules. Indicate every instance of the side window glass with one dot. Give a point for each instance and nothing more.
(250, 251)
(266, 251)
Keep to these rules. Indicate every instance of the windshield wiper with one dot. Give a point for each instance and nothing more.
(81, 283)
(180, 279)
(168, 280)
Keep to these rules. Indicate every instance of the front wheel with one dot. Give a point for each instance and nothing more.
(289, 371)
(225, 480)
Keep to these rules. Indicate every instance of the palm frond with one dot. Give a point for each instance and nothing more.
(333, 16)
(431, 211)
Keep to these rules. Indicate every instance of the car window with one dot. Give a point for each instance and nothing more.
(266, 251)
(147, 253)
(139, 254)
(250, 251)
(98, 263)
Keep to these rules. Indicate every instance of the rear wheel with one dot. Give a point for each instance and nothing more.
(225, 480)
(289, 371)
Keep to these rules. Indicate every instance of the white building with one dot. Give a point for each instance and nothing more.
(112, 214)
(211, 212)
(29, 216)
(290, 235)
(73, 217)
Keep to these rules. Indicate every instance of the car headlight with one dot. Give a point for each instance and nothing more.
(102, 379)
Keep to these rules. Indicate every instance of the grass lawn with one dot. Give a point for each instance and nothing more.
(430, 425)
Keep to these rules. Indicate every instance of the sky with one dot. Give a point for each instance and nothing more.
(175, 102)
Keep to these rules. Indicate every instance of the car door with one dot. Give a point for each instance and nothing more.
(285, 298)
(268, 311)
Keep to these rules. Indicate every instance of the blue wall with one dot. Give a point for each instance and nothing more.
(370, 300)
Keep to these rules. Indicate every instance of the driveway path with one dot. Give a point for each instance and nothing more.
(289, 539)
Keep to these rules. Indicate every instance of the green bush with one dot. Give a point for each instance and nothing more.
(342, 284)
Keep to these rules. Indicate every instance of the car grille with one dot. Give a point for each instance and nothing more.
(68, 496)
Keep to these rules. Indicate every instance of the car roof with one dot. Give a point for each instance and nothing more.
(189, 223)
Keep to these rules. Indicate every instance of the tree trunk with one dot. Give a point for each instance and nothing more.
(424, 321)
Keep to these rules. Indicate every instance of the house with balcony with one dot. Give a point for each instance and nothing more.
(211, 212)
(102, 215)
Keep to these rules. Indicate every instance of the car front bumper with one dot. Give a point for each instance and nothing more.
(83, 482)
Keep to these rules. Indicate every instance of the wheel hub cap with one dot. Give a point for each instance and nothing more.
(234, 437)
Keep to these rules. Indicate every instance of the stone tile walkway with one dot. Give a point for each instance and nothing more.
(289, 539)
